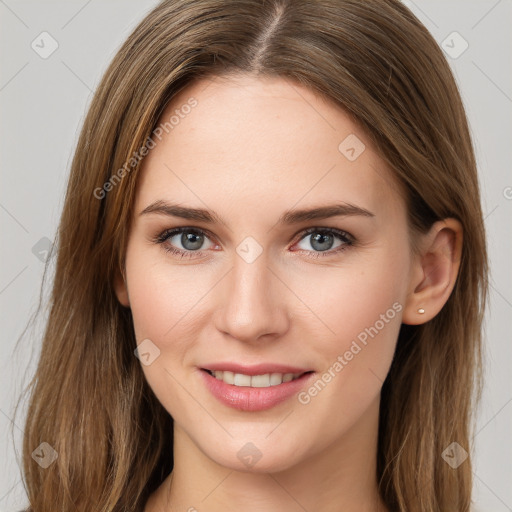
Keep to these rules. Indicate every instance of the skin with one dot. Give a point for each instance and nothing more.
(251, 149)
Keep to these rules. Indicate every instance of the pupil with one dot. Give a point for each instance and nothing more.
(319, 239)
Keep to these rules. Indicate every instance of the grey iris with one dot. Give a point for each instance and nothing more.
(192, 241)
(321, 241)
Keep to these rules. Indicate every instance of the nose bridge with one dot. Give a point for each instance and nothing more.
(253, 306)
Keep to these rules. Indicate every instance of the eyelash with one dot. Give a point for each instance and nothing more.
(347, 239)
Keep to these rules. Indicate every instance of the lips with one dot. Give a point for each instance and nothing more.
(254, 388)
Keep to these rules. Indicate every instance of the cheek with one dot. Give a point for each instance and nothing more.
(351, 298)
(365, 315)
(164, 303)
(362, 306)
(161, 296)
(365, 333)
(161, 302)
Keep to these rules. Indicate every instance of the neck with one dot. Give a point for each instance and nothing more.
(340, 477)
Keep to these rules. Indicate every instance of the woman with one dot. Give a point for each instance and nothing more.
(271, 271)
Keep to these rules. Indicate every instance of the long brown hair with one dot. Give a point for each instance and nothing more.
(89, 399)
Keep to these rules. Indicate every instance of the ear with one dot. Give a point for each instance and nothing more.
(434, 271)
(121, 289)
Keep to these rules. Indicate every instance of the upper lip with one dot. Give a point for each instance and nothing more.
(257, 369)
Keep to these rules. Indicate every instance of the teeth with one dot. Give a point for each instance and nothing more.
(260, 381)
(277, 378)
(254, 381)
(227, 377)
(241, 380)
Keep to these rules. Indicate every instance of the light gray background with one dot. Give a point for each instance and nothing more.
(43, 102)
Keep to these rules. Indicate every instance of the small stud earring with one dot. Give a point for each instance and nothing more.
(421, 311)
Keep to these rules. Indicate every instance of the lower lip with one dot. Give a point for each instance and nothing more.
(246, 398)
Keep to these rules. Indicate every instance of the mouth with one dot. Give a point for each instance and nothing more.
(264, 380)
(254, 388)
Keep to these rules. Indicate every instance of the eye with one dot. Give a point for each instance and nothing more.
(323, 241)
(185, 242)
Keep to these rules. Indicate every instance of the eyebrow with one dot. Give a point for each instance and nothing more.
(289, 217)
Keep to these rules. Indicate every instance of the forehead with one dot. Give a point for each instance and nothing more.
(258, 143)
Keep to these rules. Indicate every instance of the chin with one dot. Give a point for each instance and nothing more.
(254, 457)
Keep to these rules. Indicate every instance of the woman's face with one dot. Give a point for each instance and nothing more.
(259, 288)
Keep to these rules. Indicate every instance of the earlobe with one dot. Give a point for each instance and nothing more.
(435, 272)
(121, 289)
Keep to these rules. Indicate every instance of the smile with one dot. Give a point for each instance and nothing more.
(257, 392)
(254, 381)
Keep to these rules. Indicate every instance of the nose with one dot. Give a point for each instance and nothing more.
(254, 302)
